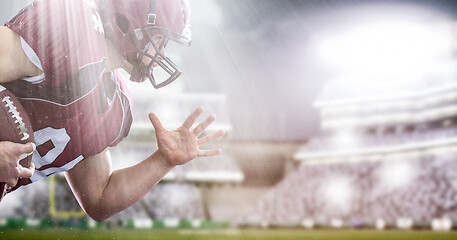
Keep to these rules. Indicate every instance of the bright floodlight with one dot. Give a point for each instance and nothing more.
(344, 140)
(395, 174)
(387, 51)
(338, 193)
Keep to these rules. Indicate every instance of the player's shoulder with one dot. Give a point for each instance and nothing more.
(65, 35)
(73, 17)
(59, 20)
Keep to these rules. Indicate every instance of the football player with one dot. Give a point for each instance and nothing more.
(59, 57)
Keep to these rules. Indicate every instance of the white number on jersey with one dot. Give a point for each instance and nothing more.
(59, 139)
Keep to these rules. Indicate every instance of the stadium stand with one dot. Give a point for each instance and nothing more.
(421, 188)
(166, 201)
(381, 171)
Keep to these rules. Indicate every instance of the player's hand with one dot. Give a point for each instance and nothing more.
(182, 145)
(10, 155)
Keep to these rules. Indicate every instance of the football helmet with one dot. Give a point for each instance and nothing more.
(133, 26)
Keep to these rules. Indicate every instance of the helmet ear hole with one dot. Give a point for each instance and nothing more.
(123, 24)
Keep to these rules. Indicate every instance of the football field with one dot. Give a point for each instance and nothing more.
(283, 234)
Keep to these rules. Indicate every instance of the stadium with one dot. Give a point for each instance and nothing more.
(340, 121)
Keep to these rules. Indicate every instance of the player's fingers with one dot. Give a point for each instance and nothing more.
(25, 172)
(192, 117)
(203, 125)
(12, 182)
(156, 122)
(211, 137)
(31, 147)
(23, 149)
(207, 153)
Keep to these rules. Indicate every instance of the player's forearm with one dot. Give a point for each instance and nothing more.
(127, 186)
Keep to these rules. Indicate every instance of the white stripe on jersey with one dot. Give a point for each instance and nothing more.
(31, 54)
(39, 175)
(33, 57)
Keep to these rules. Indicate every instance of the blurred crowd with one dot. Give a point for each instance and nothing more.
(421, 189)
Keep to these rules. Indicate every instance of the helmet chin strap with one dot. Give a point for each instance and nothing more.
(139, 72)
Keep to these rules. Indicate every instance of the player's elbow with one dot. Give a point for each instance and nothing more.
(98, 219)
(97, 210)
(97, 214)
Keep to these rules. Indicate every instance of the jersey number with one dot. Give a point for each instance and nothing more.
(51, 143)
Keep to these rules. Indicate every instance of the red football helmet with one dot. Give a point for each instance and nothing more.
(132, 25)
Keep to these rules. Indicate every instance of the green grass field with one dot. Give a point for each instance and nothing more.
(284, 234)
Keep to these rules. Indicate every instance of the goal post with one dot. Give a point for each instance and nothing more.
(54, 210)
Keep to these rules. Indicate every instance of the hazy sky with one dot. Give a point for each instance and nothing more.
(266, 62)
(259, 54)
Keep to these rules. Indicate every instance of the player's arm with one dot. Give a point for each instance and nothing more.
(102, 192)
(14, 64)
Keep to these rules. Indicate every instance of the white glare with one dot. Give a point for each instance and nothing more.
(338, 192)
(344, 139)
(395, 174)
(388, 50)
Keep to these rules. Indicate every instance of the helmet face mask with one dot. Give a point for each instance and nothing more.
(136, 27)
(144, 62)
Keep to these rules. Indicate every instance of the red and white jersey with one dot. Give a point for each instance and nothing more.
(76, 109)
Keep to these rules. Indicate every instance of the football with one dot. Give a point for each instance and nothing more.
(14, 122)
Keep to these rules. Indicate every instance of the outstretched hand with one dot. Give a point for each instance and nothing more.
(182, 145)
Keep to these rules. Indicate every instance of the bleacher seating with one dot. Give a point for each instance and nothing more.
(363, 192)
(166, 201)
(367, 141)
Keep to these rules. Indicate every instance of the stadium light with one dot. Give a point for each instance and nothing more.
(386, 52)
(344, 139)
(396, 173)
(338, 193)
